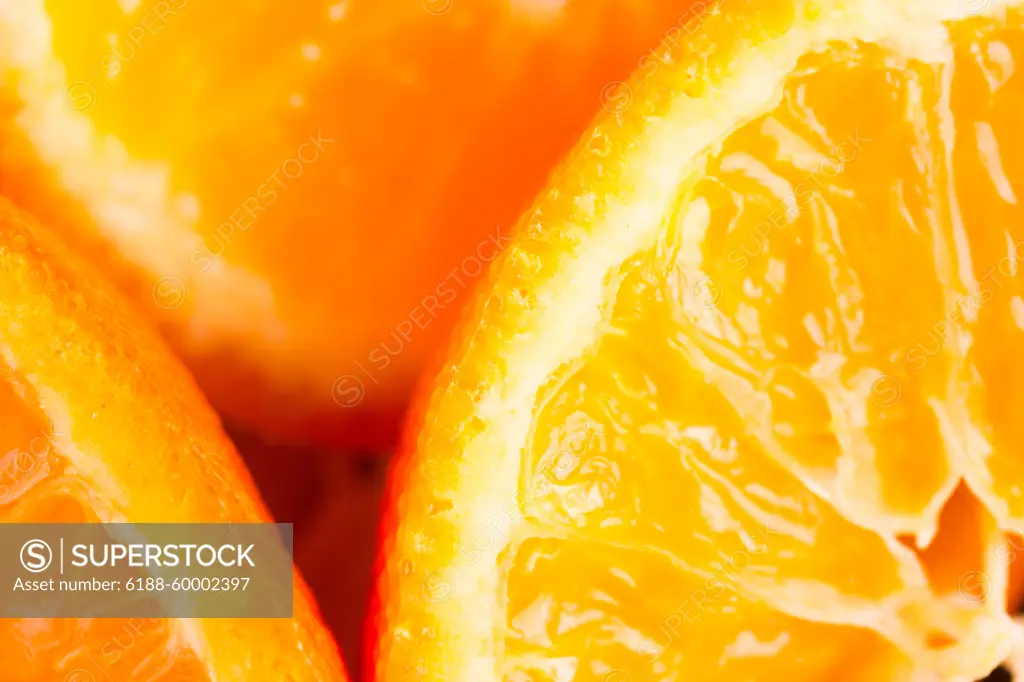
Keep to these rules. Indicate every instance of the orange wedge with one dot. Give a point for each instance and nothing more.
(102, 424)
(302, 195)
(742, 398)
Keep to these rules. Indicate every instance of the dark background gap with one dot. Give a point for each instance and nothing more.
(333, 500)
(1000, 674)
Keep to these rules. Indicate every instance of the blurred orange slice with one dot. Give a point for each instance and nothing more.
(742, 400)
(303, 194)
(102, 424)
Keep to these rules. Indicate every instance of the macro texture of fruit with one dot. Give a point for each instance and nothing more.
(303, 194)
(100, 423)
(741, 401)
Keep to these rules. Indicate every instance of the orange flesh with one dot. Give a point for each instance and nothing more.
(778, 304)
(425, 134)
(101, 424)
(628, 616)
(789, 450)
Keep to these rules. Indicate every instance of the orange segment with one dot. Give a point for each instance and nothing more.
(625, 617)
(101, 423)
(988, 181)
(800, 307)
(668, 468)
(303, 195)
(715, 369)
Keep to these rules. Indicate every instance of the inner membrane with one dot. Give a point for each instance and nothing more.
(38, 485)
(799, 427)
